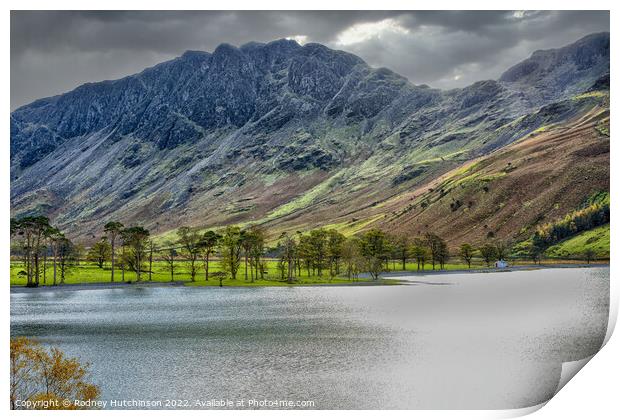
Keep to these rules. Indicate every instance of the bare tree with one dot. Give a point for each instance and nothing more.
(287, 256)
(168, 255)
(191, 241)
(113, 230)
(437, 248)
(136, 238)
(209, 242)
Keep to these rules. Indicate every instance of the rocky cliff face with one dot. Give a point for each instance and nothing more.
(265, 132)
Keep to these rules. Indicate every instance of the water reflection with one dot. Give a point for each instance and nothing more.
(478, 341)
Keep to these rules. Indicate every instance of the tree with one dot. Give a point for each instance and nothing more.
(168, 255)
(151, 250)
(41, 226)
(123, 239)
(190, 240)
(536, 249)
(419, 252)
(48, 238)
(335, 241)
(501, 250)
(374, 248)
(595, 213)
(402, 247)
(317, 242)
(49, 377)
(209, 242)
(246, 243)
(467, 254)
(257, 249)
(305, 252)
(352, 257)
(80, 252)
(100, 252)
(32, 230)
(136, 239)
(231, 250)
(67, 256)
(113, 230)
(220, 276)
(288, 248)
(389, 252)
(444, 254)
(55, 237)
(488, 253)
(589, 254)
(437, 248)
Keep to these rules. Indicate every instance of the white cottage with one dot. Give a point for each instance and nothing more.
(501, 264)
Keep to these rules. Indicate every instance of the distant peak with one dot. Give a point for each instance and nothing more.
(583, 53)
(195, 53)
(284, 42)
(224, 48)
(252, 45)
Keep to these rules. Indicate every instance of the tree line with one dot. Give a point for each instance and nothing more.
(594, 215)
(35, 239)
(317, 253)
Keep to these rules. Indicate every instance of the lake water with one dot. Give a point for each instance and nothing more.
(483, 341)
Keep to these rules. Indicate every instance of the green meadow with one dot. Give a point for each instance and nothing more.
(89, 272)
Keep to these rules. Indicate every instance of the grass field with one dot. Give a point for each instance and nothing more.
(88, 272)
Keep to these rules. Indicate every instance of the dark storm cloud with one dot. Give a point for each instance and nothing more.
(52, 52)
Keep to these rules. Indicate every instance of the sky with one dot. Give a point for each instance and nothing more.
(55, 51)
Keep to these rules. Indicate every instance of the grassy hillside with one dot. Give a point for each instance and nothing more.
(509, 193)
(504, 195)
(595, 239)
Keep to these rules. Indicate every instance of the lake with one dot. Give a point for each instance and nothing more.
(479, 341)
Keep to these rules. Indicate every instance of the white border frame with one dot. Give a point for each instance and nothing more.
(594, 391)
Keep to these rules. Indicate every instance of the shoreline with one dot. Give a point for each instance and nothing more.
(489, 270)
(389, 279)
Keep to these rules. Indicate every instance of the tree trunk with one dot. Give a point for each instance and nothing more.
(54, 266)
(112, 275)
(36, 267)
(45, 265)
(256, 266)
(28, 270)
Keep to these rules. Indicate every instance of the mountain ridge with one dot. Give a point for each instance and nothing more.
(271, 122)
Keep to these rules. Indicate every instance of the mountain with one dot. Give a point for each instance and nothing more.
(280, 134)
(539, 179)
